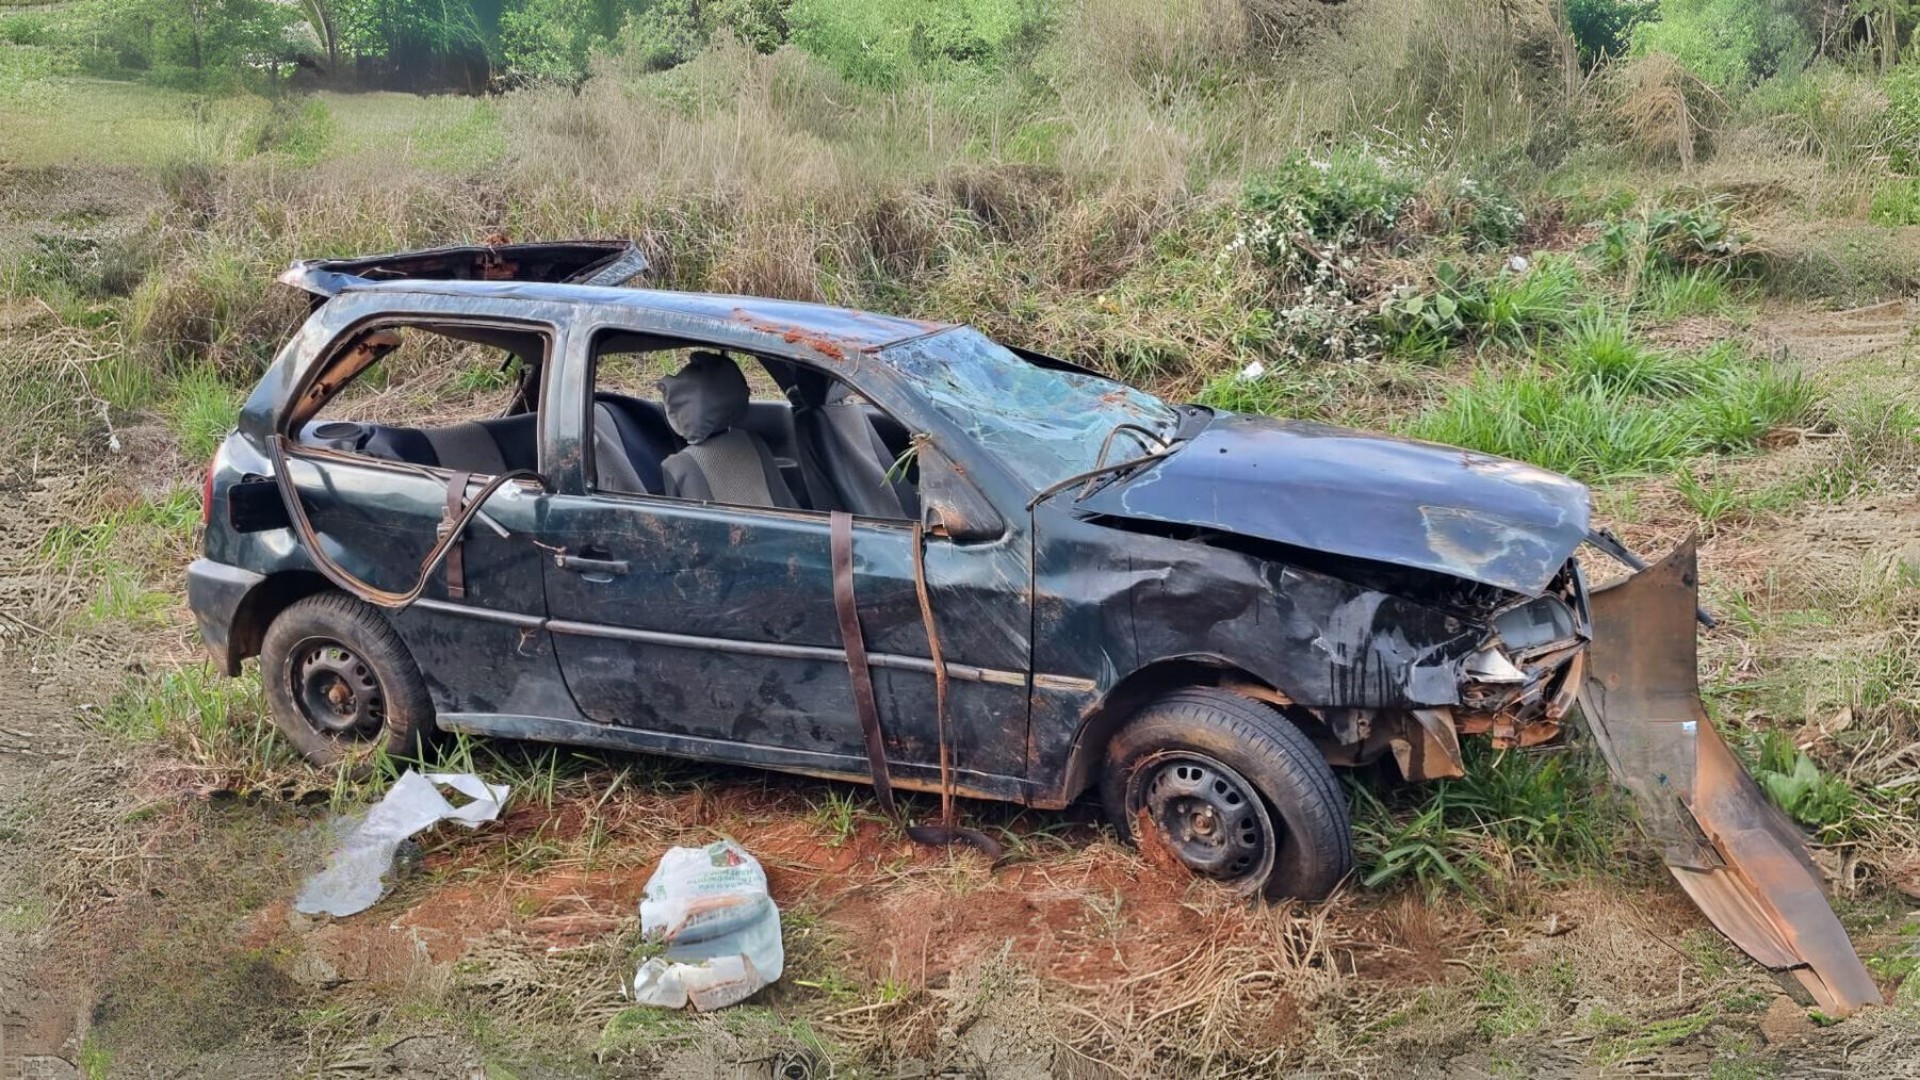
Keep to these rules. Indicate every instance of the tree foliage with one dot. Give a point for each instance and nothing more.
(1731, 44)
(1604, 28)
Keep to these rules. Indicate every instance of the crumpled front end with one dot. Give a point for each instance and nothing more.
(1740, 859)
(1522, 683)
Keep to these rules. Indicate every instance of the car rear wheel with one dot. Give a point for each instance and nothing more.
(340, 683)
(1232, 791)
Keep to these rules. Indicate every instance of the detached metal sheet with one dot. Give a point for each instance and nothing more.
(584, 262)
(1740, 859)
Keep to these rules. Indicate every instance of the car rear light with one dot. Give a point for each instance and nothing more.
(206, 493)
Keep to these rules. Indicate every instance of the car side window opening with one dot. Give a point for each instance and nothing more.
(706, 425)
(443, 395)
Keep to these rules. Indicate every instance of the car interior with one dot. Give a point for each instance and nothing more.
(699, 432)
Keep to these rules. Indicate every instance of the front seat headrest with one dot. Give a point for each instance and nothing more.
(706, 397)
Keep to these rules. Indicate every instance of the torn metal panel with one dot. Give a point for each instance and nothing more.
(1322, 488)
(1735, 853)
(587, 262)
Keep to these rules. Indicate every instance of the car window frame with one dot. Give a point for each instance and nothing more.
(550, 331)
(588, 331)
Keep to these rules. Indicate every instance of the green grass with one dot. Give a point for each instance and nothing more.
(1666, 295)
(190, 703)
(203, 409)
(1896, 202)
(1548, 813)
(1600, 407)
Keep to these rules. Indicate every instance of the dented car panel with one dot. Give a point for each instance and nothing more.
(1088, 548)
(1323, 488)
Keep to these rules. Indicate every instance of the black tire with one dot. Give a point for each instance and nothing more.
(1182, 764)
(340, 683)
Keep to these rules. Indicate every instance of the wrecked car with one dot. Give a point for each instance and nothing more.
(878, 549)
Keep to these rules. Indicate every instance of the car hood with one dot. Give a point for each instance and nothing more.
(1364, 496)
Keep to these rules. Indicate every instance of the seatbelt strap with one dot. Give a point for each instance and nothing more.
(846, 606)
(456, 559)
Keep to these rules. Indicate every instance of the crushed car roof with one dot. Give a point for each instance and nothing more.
(827, 329)
(595, 272)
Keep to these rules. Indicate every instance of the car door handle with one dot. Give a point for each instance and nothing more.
(590, 568)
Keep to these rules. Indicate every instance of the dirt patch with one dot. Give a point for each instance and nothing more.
(1822, 338)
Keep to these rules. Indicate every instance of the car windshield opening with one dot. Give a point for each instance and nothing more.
(1043, 424)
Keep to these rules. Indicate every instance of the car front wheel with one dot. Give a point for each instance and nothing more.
(340, 683)
(1231, 790)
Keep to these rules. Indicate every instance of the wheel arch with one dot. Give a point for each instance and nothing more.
(1143, 685)
(261, 605)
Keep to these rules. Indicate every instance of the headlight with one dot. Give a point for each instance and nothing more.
(1542, 622)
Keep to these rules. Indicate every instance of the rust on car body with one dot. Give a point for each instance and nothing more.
(1734, 852)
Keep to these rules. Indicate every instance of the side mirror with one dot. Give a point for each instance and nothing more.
(949, 502)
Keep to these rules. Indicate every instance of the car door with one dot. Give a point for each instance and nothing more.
(482, 651)
(710, 630)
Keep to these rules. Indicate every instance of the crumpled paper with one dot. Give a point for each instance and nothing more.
(352, 880)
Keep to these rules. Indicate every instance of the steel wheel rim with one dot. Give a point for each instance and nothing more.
(1207, 815)
(336, 690)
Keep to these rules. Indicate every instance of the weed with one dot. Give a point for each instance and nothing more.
(1669, 294)
(1896, 202)
(203, 409)
(1509, 810)
(1671, 239)
(1508, 1007)
(1658, 1034)
(1515, 305)
(1608, 408)
(1327, 197)
(838, 815)
(1795, 784)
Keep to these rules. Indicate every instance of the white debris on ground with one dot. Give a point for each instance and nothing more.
(710, 907)
(352, 880)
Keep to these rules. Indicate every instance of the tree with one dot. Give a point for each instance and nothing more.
(1883, 19)
(1604, 28)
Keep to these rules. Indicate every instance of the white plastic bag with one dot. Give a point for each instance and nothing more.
(711, 908)
(352, 881)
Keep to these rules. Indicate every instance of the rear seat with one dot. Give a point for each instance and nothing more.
(491, 447)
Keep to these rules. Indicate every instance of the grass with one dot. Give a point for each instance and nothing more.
(1665, 295)
(1090, 208)
(1601, 407)
(203, 409)
(1513, 812)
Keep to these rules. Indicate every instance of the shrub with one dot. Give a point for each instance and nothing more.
(671, 32)
(1604, 28)
(1330, 198)
(882, 42)
(1902, 86)
(1670, 238)
(1484, 214)
(1729, 43)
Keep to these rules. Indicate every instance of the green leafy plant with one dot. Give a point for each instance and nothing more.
(1670, 238)
(1796, 785)
(1328, 197)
